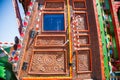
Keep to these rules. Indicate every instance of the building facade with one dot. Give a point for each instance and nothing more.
(68, 40)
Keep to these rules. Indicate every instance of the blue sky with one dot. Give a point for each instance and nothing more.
(8, 23)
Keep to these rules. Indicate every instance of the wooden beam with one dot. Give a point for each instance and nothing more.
(18, 16)
(99, 39)
(70, 36)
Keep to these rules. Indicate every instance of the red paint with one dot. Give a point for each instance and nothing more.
(31, 4)
(19, 46)
(16, 58)
(25, 23)
(22, 34)
(113, 8)
(28, 13)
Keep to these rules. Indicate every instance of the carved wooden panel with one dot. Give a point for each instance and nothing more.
(48, 62)
(79, 4)
(80, 21)
(83, 60)
(54, 5)
(50, 40)
(86, 76)
(83, 40)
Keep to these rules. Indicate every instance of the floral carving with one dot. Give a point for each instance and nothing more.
(48, 62)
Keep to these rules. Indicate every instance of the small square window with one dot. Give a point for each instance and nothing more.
(53, 22)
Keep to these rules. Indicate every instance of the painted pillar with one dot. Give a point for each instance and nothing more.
(70, 36)
(103, 40)
(114, 5)
(18, 16)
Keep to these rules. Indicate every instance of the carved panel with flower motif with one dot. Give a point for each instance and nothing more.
(48, 62)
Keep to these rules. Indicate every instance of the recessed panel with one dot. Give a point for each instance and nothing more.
(48, 62)
(83, 59)
(83, 40)
(50, 40)
(54, 5)
(80, 22)
(79, 4)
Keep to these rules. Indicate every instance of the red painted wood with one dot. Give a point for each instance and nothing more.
(113, 6)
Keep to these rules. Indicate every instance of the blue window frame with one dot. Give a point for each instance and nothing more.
(53, 22)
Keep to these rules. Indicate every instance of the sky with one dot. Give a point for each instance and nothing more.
(8, 22)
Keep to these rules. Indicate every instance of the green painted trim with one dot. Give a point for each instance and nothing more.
(103, 37)
(113, 37)
(6, 71)
(2, 72)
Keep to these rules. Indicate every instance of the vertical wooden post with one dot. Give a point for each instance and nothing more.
(116, 24)
(99, 39)
(70, 37)
(18, 16)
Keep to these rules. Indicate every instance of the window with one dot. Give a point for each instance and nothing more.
(53, 22)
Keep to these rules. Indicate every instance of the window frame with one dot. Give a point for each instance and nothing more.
(53, 13)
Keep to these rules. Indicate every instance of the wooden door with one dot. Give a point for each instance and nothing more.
(49, 54)
(86, 58)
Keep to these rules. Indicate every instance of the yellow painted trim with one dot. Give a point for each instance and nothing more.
(70, 37)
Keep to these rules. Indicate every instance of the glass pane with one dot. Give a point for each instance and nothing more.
(53, 22)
